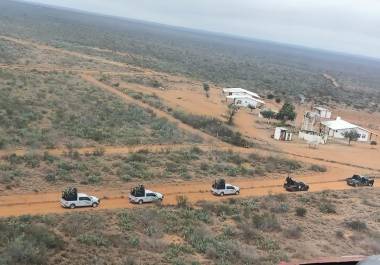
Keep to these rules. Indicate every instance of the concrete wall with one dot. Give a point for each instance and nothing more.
(312, 138)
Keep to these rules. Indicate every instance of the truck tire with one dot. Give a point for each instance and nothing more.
(140, 201)
(237, 192)
(94, 205)
(222, 194)
(72, 206)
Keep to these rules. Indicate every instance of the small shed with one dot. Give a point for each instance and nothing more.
(282, 134)
(322, 112)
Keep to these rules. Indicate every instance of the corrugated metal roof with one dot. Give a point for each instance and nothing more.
(339, 124)
(241, 90)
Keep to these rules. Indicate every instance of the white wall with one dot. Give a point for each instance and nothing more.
(339, 134)
(245, 102)
(277, 133)
(312, 138)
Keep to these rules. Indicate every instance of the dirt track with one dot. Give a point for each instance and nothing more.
(43, 203)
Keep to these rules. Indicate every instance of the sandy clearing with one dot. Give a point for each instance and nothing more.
(187, 97)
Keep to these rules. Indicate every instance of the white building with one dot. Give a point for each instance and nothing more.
(245, 101)
(337, 128)
(282, 134)
(322, 112)
(237, 91)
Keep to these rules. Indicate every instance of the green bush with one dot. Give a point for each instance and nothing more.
(93, 239)
(293, 232)
(94, 179)
(327, 207)
(266, 222)
(356, 225)
(301, 212)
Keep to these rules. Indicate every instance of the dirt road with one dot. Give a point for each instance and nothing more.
(195, 191)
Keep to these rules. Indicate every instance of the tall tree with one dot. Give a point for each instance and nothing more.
(232, 110)
(287, 112)
(351, 135)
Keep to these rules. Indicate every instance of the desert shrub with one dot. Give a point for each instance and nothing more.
(327, 207)
(266, 222)
(94, 179)
(93, 239)
(76, 224)
(126, 220)
(204, 166)
(318, 168)
(182, 201)
(21, 251)
(99, 151)
(25, 242)
(50, 177)
(373, 143)
(356, 225)
(280, 208)
(293, 232)
(213, 127)
(339, 234)
(32, 160)
(134, 170)
(301, 212)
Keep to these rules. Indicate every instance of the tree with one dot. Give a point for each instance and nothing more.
(206, 88)
(232, 109)
(287, 112)
(268, 114)
(351, 135)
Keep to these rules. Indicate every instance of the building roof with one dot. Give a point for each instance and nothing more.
(282, 128)
(241, 90)
(320, 108)
(245, 97)
(339, 124)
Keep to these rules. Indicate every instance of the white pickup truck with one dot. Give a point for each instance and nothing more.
(221, 188)
(81, 200)
(141, 195)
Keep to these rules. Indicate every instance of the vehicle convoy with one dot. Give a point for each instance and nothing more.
(292, 185)
(357, 180)
(140, 195)
(221, 188)
(72, 199)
